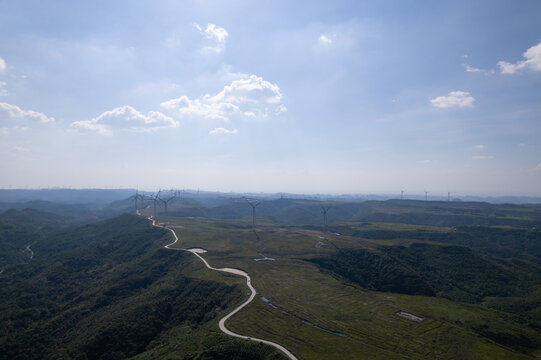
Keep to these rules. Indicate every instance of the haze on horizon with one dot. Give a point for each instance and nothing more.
(272, 96)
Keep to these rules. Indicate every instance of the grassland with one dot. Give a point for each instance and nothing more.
(109, 290)
(319, 315)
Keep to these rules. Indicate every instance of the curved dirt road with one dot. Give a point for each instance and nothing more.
(30, 250)
(221, 324)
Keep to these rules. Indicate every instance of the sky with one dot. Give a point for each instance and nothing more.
(274, 96)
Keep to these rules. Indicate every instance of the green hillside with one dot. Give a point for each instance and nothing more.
(110, 291)
(391, 280)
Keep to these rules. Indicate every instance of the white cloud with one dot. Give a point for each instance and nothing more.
(3, 91)
(480, 147)
(454, 99)
(254, 90)
(482, 157)
(538, 167)
(508, 68)
(471, 69)
(201, 108)
(13, 112)
(532, 61)
(214, 33)
(323, 39)
(252, 97)
(2, 64)
(91, 125)
(222, 131)
(125, 117)
(521, 145)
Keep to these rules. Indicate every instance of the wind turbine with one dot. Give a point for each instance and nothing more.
(401, 194)
(180, 195)
(166, 202)
(154, 200)
(135, 198)
(138, 197)
(324, 211)
(426, 195)
(253, 204)
(143, 198)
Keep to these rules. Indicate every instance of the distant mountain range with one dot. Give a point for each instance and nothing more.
(105, 196)
(292, 211)
(66, 196)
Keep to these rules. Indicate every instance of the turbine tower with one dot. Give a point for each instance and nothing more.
(138, 197)
(401, 194)
(448, 196)
(324, 211)
(165, 202)
(143, 198)
(154, 200)
(253, 204)
(426, 195)
(135, 198)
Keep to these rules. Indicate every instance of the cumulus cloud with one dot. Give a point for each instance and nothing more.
(125, 117)
(252, 97)
(323, 39)
(459, 99)
(2, 64)
(9, 112)
(222, 131)
(532, 61)
(254, 90)
(201, 108)
(480, 147)
(472, 69)
(91, 125)
(216, 34)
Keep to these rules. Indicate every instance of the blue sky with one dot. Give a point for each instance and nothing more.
(275, 96)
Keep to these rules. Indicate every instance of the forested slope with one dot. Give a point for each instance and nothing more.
(107, 291)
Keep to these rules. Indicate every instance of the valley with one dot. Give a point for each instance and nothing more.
(426, 286)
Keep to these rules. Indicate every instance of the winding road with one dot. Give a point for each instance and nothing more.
(253, 292)
(30, 250)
